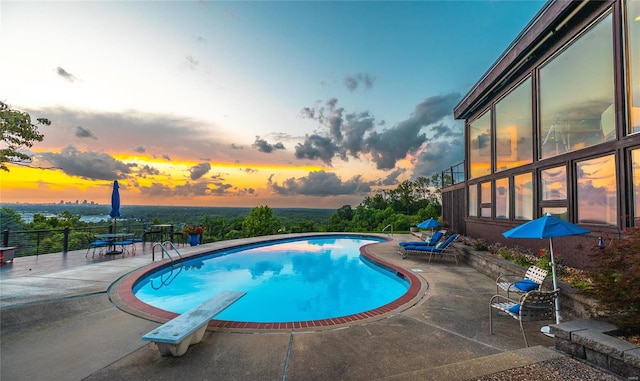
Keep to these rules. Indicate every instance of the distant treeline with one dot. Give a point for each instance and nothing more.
(399, 208)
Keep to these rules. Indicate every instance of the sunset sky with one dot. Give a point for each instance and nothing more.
(285, 104)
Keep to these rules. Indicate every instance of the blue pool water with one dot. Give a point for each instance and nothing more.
(295, 280)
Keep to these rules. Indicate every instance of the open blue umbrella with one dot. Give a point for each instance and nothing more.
(547, 227)
(115, 203)
(429, 224)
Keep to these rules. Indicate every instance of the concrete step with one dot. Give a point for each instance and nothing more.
(491, 367)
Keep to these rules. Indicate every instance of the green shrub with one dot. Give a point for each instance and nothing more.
(481, 245)
(522, 260)
(615, 275)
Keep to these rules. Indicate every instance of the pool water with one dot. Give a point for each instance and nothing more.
(294, 280)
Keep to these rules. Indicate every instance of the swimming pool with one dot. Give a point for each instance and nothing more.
(302, 279)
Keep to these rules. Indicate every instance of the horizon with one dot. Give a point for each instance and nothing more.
(226, 107)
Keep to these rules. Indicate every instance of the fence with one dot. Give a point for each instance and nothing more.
(453, 175)
(36, 242)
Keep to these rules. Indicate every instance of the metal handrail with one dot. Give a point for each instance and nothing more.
(385, 228)
(164, 250)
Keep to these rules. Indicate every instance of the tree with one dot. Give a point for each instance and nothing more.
(10, 220)
(260, 221)
(18, 134)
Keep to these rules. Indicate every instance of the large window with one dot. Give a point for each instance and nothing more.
(473, 200)
(577, 94)
(513, 128)
(597, 191)
(633, 63)
(502, 198)
(635, 160)
(554, 184)
(485, 199)
(523, 196)
(480, 146)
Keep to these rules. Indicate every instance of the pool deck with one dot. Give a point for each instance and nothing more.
(57, 322)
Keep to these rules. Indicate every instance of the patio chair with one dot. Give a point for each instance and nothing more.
(177, 236)
(532, 306)
(532, 280)
(95, 244)
(430, 241)
(441, 249)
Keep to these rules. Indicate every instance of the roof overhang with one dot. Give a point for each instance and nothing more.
(553, 16)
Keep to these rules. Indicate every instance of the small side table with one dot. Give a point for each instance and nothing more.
(7, 254)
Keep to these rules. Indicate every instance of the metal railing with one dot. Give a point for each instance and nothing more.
(163, 246)
(453, 175)
(388, 226)
(36, 242)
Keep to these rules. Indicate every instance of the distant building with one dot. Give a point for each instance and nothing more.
(554, 127)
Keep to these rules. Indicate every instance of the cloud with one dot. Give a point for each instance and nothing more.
(191, 63)
(197, 171)
(84, 133)
(264, 146)
(88, 165)
(438, 155)
(317, 147)
(187, 190)
(235, 146)
(392, 178)
(320, 183)
(352, 82)
(147, 170)
(140, 149)
(166, 157)
(352, 134)
(66, 75)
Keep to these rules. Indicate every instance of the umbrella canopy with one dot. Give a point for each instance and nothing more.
(430, 223)
(115, 201)
(547, 227)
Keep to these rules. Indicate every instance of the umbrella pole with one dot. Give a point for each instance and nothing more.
(555, 281)
(546, 330)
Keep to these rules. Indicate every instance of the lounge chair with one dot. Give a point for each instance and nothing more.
(532, 306)
(430, 241)
(531, 281)
(441, 249)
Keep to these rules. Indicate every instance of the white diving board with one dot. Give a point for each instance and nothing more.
(175, 336)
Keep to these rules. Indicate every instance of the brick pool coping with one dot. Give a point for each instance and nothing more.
(121, 294)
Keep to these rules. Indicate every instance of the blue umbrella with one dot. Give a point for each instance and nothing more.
(547, 227)
(430, 223)
(115, 202)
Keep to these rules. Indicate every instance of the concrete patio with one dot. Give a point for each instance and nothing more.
(57, 322)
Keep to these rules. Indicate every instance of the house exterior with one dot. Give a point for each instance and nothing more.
(554, 127)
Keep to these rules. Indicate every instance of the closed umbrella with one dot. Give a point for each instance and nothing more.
(547, 227)
(115, 204)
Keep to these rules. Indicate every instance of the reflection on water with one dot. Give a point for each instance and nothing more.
(303, 280)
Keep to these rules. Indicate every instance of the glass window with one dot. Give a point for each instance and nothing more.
(473, 200)
(635, 162)
(485, 199)
(480, 146)
(560, 212)
(523, 201)
(502, 198)
(633, 63)
(597, 192)
(554, 183)
(513, 128)
(577, 94)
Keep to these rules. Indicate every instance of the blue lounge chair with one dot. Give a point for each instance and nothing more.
(441, 249)
(429, 242)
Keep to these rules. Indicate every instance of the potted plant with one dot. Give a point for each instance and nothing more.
(194, 233)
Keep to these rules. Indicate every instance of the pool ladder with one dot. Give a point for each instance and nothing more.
(163, 246)
(388, 226)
